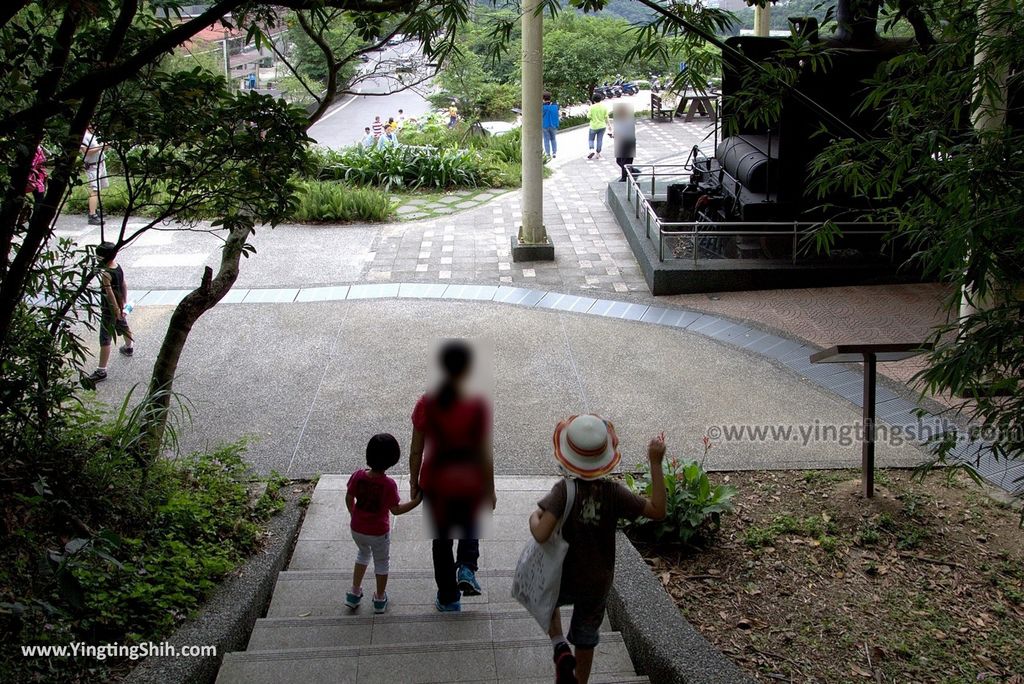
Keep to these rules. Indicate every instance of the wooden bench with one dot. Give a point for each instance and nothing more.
(663, 107)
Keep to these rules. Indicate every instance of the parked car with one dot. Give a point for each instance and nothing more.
(497, 128)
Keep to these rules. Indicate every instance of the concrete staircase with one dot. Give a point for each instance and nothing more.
(309, 635)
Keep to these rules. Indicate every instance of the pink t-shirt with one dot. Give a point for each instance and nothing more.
(375, 496)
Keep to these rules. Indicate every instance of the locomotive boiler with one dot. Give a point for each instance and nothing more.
(760, 174)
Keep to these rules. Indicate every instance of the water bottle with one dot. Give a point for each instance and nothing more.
(129, 307)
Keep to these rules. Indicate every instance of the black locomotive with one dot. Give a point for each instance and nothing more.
(759, 174)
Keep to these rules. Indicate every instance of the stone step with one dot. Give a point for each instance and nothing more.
(332, 504)
(410, 554)
(362, 627)
(323, 525)
(322, 592)
(513, 660)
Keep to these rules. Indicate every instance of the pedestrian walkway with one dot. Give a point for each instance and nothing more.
(310, 636)
(591, 252)
(414, 206)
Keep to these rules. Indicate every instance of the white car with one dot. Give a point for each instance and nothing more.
(497, 128)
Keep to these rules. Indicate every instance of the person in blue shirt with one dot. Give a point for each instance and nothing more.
(549, 122)
(369, 139)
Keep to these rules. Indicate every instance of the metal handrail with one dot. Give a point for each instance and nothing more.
(696, 229)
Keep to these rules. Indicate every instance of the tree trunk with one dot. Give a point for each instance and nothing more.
(210, 291)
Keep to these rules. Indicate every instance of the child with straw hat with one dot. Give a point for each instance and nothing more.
(586, 449)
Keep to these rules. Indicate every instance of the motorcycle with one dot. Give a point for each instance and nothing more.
(627, 87)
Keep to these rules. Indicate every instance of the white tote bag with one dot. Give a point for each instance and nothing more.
(538, 573)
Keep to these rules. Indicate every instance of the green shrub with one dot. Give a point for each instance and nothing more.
(573, 120)
(507, 148)
(114, 199)
(402, 166)
(143, 583)
(694, 505)
(146, 549)
(325, 201)
(433, 134)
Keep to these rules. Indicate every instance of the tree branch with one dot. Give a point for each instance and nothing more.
(911, 10)
(108, 76)
(330, 93)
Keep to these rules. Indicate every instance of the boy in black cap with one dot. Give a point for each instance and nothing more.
(113, 318)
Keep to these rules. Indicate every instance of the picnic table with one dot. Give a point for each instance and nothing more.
(870, 355)
(694, 103)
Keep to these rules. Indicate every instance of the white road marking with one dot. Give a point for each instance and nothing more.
(169, 260)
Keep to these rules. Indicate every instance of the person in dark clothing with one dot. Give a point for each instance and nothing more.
(113, 316)
(625, 136)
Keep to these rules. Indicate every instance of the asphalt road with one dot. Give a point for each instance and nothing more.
(343, 125)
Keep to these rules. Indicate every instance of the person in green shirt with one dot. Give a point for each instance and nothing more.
(598, 124)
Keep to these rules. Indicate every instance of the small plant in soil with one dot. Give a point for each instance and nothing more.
(695, 505)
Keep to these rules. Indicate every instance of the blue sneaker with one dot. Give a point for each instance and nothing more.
(380, 604)
(453, 607)
(352, 600)
(467, 582)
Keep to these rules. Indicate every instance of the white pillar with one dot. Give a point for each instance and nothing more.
(990, 115)
(532, 243)
(762, 20)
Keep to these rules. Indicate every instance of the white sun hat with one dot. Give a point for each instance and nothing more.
(586, 446)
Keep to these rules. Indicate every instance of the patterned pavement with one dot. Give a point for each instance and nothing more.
(591, 252)
(593, 257)
(471, 246)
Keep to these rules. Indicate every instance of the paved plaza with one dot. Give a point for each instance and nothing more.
(333, 325)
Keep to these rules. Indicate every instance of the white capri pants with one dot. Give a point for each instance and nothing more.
(376, 545)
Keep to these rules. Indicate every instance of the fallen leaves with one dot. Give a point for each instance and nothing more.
(795, 611)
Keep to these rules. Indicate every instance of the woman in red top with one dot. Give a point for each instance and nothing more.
(451, 463)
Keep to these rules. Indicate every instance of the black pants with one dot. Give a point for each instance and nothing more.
(446, 567)
(453, 519)
(622, 162)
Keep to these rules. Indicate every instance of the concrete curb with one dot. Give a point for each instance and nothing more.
(228, 617)
(661, 643)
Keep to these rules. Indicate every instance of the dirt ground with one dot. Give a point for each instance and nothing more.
(807, 581)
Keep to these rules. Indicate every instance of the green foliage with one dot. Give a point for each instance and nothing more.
(573, 120)
(403, 166)
(949, 154)
(694, 505)
(142, 558)
(339, 34)
(333, 202)
(579, 53)
(481, 93)
(583, 51)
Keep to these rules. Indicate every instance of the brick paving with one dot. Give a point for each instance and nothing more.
(592, 254)
(472, 246)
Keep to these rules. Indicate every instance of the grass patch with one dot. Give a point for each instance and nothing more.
(96, 549)
(328, 202)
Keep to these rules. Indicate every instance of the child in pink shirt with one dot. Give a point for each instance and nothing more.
(371, 499)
